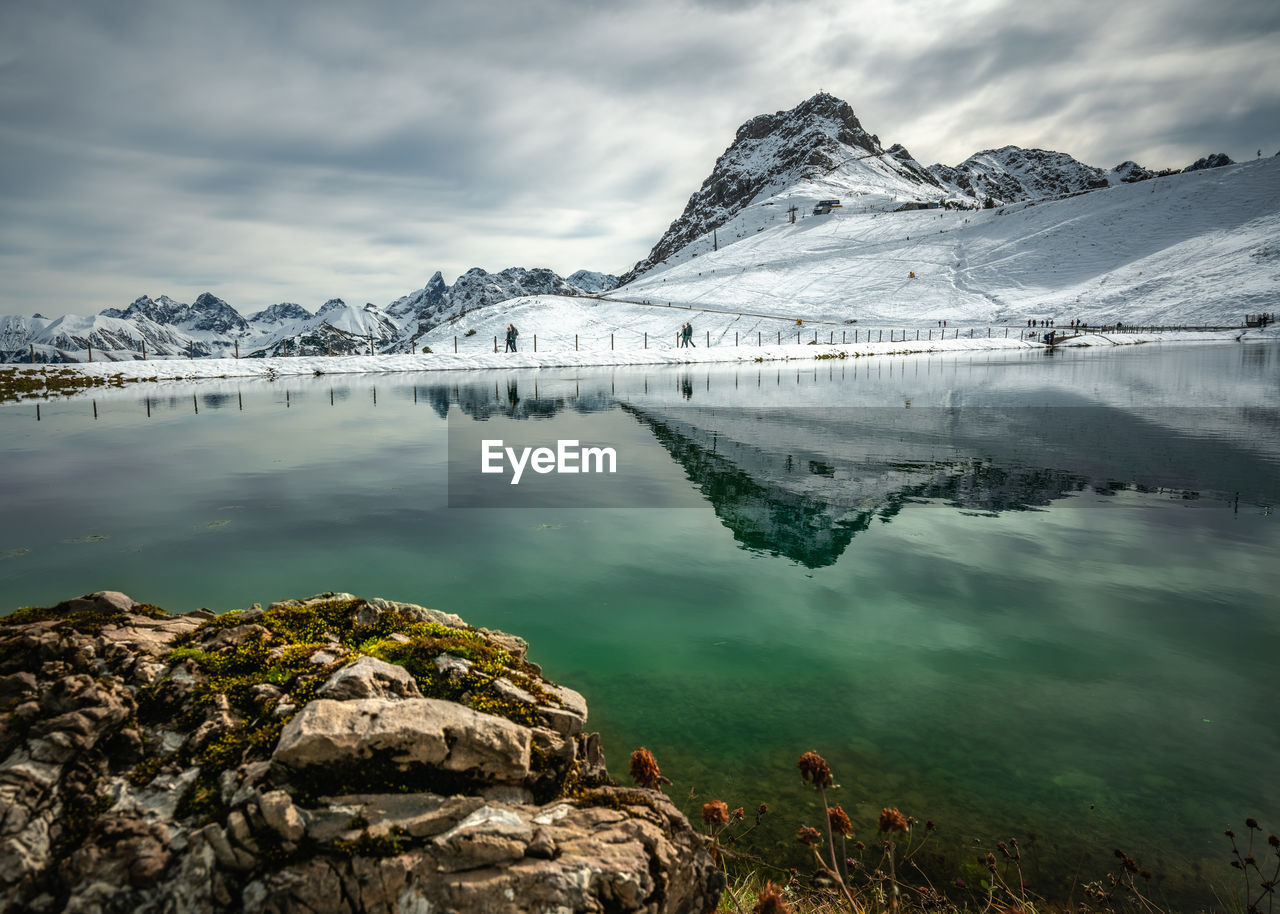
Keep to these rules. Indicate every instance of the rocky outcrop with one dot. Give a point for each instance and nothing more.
(1216, 160)
(1011, 174)
(327, 754)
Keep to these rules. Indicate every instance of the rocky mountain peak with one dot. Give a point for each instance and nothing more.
(773, 152)
(283, 311)
(823, 114)
(208, 312)
(1012, 173)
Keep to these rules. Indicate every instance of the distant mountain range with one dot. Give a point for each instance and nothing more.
(778, 164)
(210, 327)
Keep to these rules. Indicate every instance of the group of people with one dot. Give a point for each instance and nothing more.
(1032, 322)
(685, 336)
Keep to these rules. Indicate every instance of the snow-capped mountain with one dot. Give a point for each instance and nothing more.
(337, 328)
(817, 150)
(785, 163)
(592, 282)
(280, 314)
(437, 302)
(207, 314)
(163, 327)
(1011, 174)
(70, 337)
(1193, 250)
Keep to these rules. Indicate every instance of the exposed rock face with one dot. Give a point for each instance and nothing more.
(1010, 174)
(329, 754)
(1217, 160)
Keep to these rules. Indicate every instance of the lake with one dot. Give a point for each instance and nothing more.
(1024, 595)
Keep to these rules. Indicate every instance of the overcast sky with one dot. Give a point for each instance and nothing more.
(270, 151)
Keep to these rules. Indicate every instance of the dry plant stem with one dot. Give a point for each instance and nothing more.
(729, 888)
(835, 869)
(893, 881)
(718, 857)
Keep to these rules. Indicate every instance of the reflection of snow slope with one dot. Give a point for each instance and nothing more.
(804, 482)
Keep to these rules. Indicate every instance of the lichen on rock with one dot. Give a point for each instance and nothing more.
(326, 754)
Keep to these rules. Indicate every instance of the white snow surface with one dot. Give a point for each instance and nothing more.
(556, 318)
(1200, 248)
(1193, 249)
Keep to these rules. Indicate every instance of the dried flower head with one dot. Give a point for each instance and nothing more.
(769, 901)
(929, 826)
(1251, 823)
(715, 813)
(1273, 840)
(806, 834)
(839, 821)
(737, 815)
(644, 769)
(764, 808)
(815, 770)
(892, 820)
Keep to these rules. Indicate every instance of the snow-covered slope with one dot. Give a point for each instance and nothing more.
(1125, 244)
(817, 150)
(1200, 247)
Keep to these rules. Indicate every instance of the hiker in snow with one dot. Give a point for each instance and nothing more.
(680, 337)
(512, 333)
(688, 335)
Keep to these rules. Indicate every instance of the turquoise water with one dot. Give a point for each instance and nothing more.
(1022, 596)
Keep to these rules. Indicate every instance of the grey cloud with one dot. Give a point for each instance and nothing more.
(304, 151)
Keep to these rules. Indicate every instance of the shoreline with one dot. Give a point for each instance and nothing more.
(95, 374)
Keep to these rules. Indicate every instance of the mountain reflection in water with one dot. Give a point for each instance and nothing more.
(802, 483)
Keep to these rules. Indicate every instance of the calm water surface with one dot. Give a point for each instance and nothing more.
(1024, 596)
